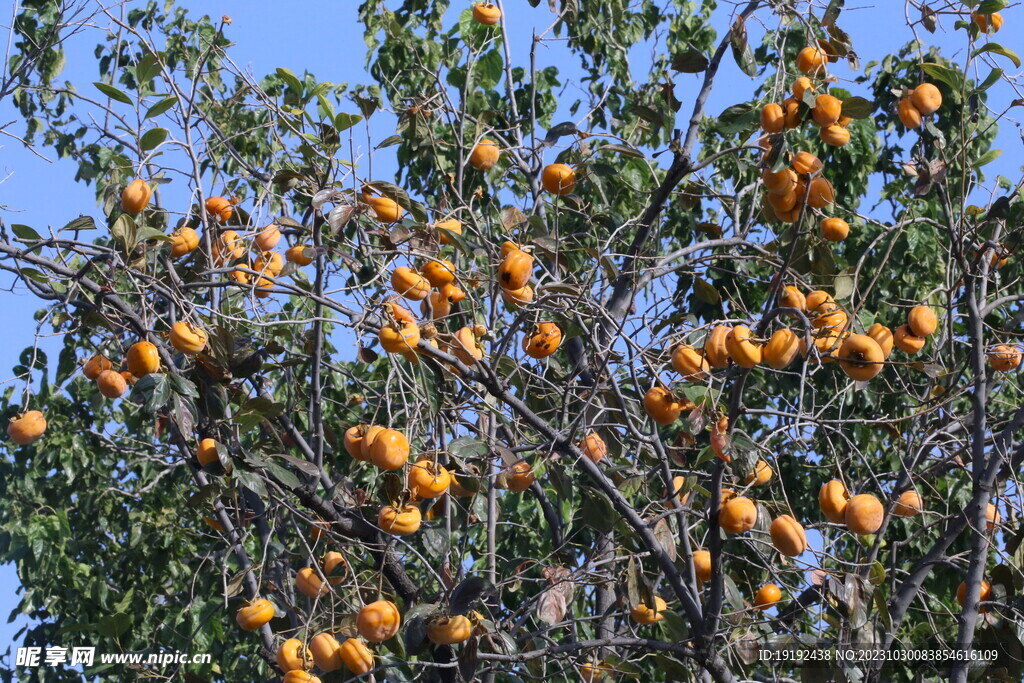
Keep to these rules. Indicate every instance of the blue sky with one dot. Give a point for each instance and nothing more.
(325, 38)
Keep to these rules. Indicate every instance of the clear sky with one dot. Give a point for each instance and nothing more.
(326, 39)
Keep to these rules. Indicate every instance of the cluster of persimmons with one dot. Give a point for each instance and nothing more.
(791, 187)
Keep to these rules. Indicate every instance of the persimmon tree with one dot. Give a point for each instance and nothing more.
(605, 384)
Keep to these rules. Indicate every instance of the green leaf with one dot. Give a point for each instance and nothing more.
(161, 392)
(160, 107)
(990, 6)
(389, 141)
(999, 50)
(706, 292)
(24, 232)
(741, 51)
(123, 230)
(152, 138)
(987, 158)
(147, 69)
(113, 625)
(690, 62)
(954, 79)
(148, 233)
(489, 69)
(291, 79)
(993, 76)
(625, 150)
(80, 223)
(343, 121)
(113, 93)
(857, 108)
(182, 386)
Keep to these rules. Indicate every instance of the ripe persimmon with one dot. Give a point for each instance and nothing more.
(926, 98)
(378, 621)
(835, 135)
(95, 365)
(446, 228)
(985, 594)
(399, 521)
(991, 22)
(922, 321)
(428, 479)
(827, 109)
(811, 60)
(820, 302)
(386, 209)
(324, 648)
(356, 657)
(449, 630)
(782, 182)
(399, 337)
(253, 615)
(834, 229)
(702, 565)
(833, 499)
(821, 193)
(484, 155)
(389, 450)
(908, 113)
(1004, 358)
(558, 179)
(111, 384)
(788, 536)
(805, 163)
(220, 208)
(662, 406)
(486, 13)
(908, 505)
(773, 118)
(860, 357)
(267, 238)
(743, 350)
(594, 447)
(270, 263)
(864, 514)
(292, 655)
(792, 115)
(543, 340)
(300, 255)
(135, 196)
(143, 359)
(520, 477)
(409, 284)
(907, 341)
(781, 349)
(689, 363)
(332, 560)
(715, 350)
(183, 241)
(187, 338)
(767, 595)
(993, 517)
(27, 427)
(883, 337)
(737, 515)
(802, 85)
(438, 273)
(515, 270)
(646, 615)
(792, 297)
(309, 584)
